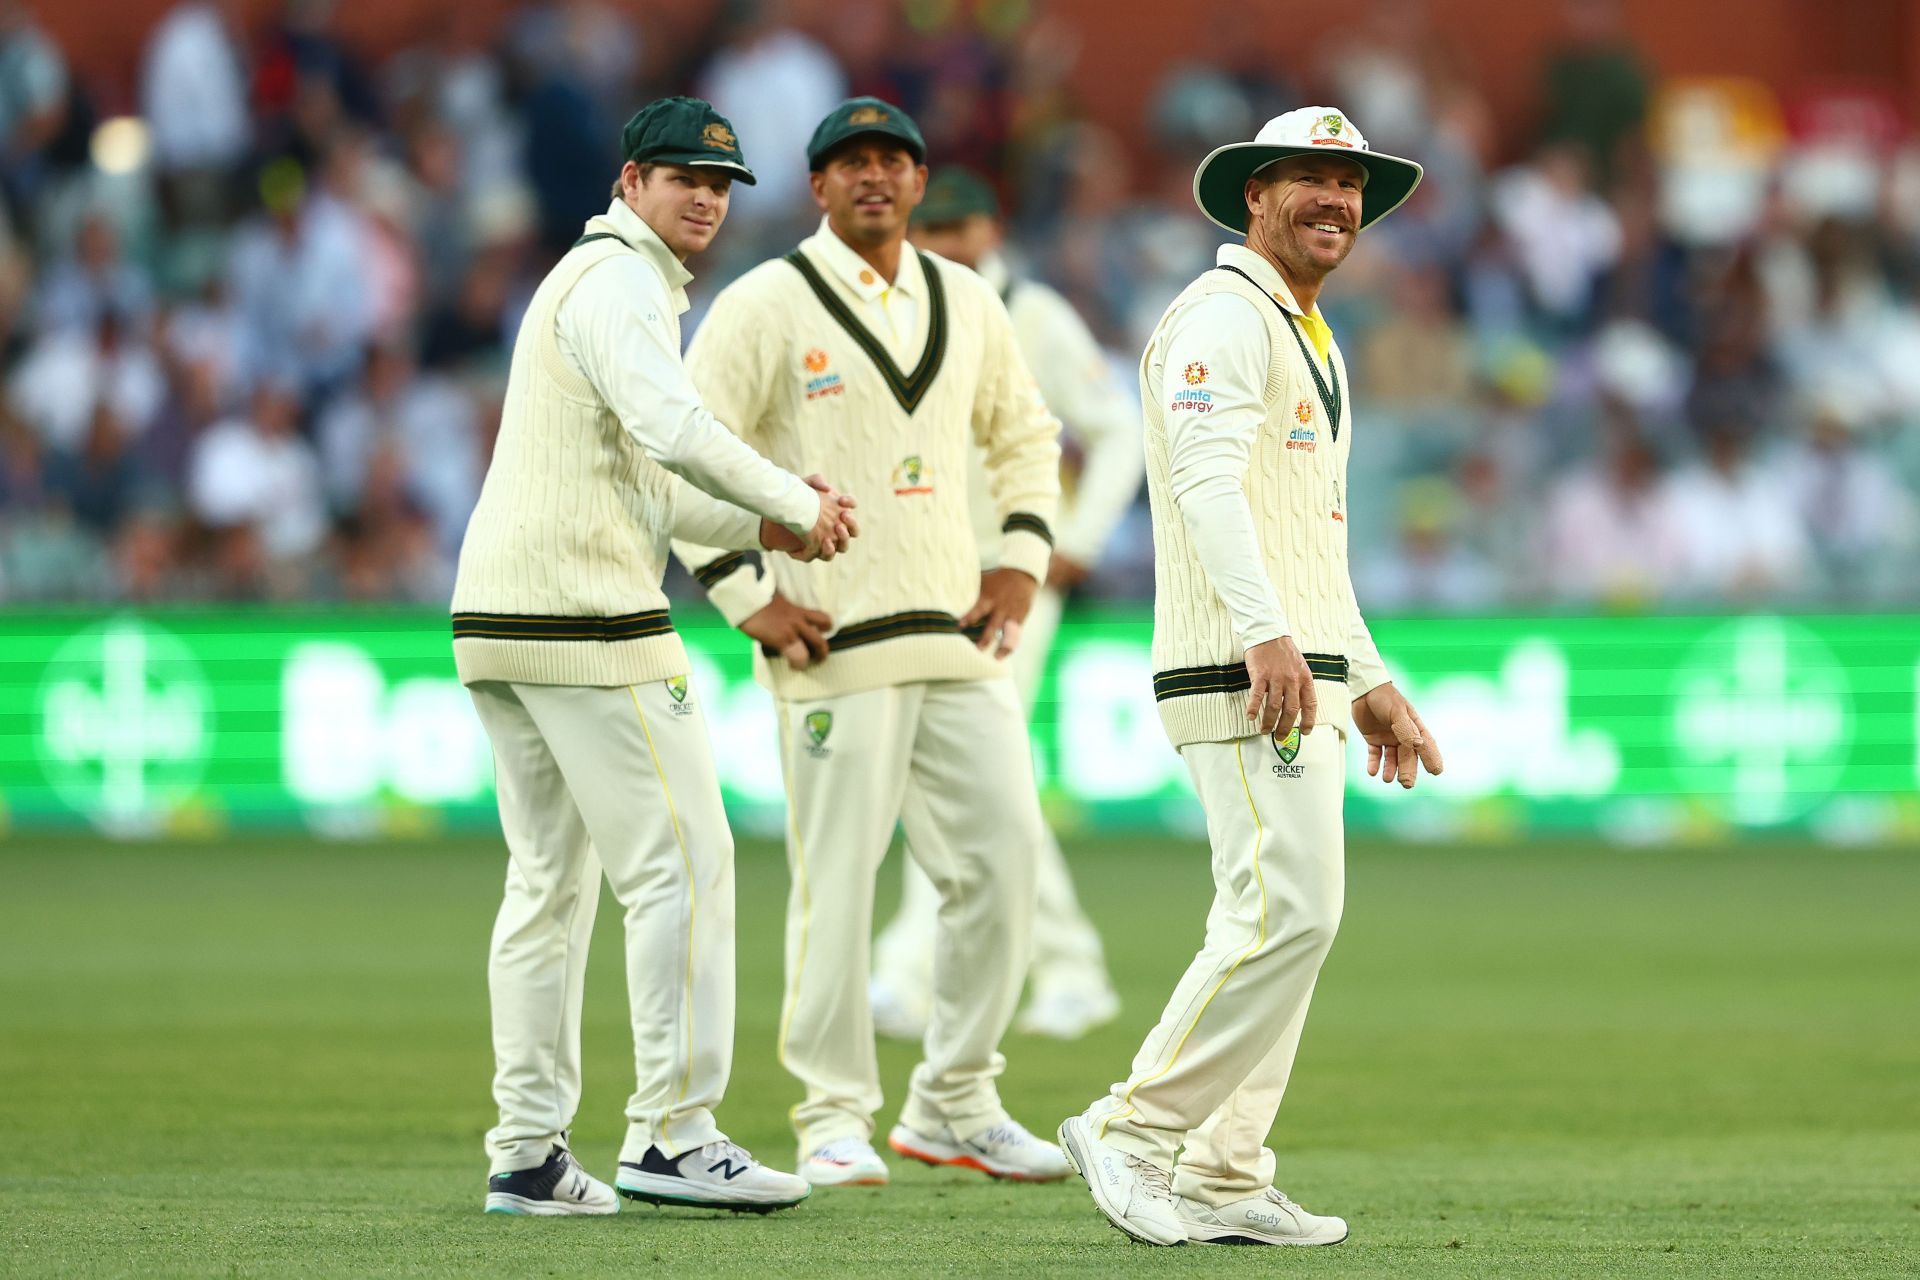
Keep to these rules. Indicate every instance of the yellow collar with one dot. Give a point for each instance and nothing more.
(1264, 275)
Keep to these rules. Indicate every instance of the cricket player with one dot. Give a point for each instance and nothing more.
(562, 636)
(1258, 646)
(886, 366)
(1071, 992)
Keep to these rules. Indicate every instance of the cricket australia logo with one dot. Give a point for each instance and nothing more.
(1287, 748)
(819, 726)
(1327, 129)
(677, 690)
(912, 476)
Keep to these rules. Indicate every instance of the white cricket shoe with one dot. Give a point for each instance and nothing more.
(720, 1175)
(1134, 1194)
(559, 1187)
(897, 1015)
(1005, 1151)
(1268, 1218)
(844, 1162)
(1068, 1010)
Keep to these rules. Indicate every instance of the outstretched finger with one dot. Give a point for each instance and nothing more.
(1309, 707)
(1256, 698)
(1429, 748)
(1373, 759)
(1282, 712)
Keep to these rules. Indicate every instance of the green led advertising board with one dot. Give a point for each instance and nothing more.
(351, 722)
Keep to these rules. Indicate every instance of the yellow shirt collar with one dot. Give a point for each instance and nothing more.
(1265, 275)
(839, 260)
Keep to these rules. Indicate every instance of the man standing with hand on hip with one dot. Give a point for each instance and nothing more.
(1258, 646)
(562, 636)
(887, 366)
(1071, 993)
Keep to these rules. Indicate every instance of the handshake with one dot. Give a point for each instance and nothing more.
(834, 527)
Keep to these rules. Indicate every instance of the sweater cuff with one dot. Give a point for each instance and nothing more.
(736, 587)
(1365, 673)
(1022, 548)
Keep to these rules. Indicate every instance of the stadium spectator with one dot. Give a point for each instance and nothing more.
(254, 472)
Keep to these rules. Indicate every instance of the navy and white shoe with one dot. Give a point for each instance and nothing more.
(720, 1175)
(558, 1188)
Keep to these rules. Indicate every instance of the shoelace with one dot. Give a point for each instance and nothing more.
(1009, 1133)
(838, 1153)
(1152, 1177)
(725, 1149)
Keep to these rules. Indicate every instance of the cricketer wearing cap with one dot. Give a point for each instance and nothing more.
(1071, 993)
(886, 366)
(562, 636)
(1258, 647)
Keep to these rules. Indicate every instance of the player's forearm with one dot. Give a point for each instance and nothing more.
(1221, 525)
(700, 518)
(711, 458)
(734, 584)
(1365, 669)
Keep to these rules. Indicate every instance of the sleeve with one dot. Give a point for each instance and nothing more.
(1212, 419)
(1365, 669)
(732, 365)
(617, 324)
(1021, 440)
(1078, 386)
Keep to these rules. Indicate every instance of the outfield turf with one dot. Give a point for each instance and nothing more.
(271, 1058)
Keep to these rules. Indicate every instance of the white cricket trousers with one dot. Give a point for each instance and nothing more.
(941, 756)
(1065, 943)
(1212, 1072)
(619, 780)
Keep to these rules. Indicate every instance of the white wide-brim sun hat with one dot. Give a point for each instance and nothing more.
(1221, 180)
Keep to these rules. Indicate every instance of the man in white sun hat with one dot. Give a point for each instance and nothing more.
(1258, 646)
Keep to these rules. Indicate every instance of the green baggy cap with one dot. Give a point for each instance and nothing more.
(856, 116)
(955, 193)
(686, 131)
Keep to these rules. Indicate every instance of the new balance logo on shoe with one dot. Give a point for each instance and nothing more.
(727, 1169)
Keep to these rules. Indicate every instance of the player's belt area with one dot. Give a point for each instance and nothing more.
(916, 622)
(1231, 677)
(534, 626)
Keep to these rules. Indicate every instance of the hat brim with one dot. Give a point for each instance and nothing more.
(1220, 183)
(703, 160)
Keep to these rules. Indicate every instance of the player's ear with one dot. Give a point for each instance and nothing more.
(818, 182)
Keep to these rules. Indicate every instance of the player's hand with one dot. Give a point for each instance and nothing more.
(1064, 573)
(800, 635)
(1398, 744)
(834, 526)
(1005, 597)
(1282, 688)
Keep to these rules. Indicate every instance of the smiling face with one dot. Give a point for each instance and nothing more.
(684, 206)
(868, 187)
(1303, 213)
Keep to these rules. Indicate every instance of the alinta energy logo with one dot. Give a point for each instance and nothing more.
(126, 723)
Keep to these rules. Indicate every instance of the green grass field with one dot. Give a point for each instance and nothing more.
(271, 1058)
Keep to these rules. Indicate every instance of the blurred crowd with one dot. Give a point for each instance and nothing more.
(1659, 348)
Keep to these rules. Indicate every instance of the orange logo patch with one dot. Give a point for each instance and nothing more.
(868, 115)
(817, 362)
(1303, 412)
(718, 137)
(1196, 374)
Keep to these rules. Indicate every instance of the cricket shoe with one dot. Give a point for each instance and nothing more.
(1006, 1150)
(1268, 1218)
(896, 1014)
(844, 1162)
(1135, 1195)
(1068, 1010)
(720, 1175)
(558, 1188)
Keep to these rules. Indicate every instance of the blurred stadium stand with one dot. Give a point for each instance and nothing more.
(1647, 338)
